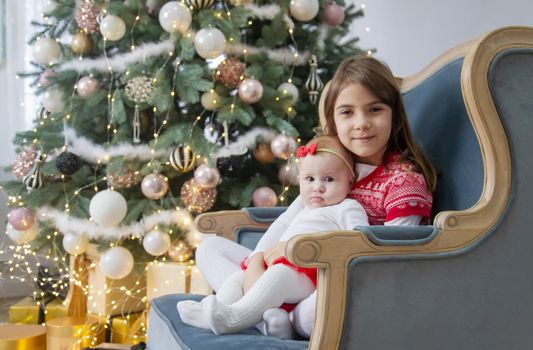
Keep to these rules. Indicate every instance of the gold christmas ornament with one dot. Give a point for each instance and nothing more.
(126, 179)
(230, 71)
(263, 154)
(196, 198)
(139, 89)
(82, 44)
(180, 251)
(24, 162)
(182, 159)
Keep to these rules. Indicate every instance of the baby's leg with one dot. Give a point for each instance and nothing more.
(192, 313)
(303, 316)
(279, 284)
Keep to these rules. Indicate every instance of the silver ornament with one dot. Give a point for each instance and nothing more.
(313, 83)
(34, 179)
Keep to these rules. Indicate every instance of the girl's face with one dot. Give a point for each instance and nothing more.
(363, 123)
(324, 180)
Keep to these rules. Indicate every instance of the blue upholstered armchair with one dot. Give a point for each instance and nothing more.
(463, 283)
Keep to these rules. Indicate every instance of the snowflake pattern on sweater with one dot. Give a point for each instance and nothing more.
(394, 189)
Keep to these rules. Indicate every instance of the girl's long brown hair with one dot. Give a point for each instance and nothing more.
(378, 78)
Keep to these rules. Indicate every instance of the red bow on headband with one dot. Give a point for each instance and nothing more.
(302, 151)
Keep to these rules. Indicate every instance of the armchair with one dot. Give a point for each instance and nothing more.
(462, 283)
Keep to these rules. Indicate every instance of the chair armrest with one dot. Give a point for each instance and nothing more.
(224, 223)
(398, 235)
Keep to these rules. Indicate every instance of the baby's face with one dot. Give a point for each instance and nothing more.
(324, 180)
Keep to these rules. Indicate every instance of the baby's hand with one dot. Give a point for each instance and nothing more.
(275, 252)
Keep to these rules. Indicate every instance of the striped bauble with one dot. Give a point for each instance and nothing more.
(200, 4)
(182, 158)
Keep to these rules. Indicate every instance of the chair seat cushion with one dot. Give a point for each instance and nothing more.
(167, 331)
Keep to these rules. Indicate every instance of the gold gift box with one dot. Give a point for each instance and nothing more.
(127, 329)
(164, 278)
(27, 311)
(22, 337)
(73, 333)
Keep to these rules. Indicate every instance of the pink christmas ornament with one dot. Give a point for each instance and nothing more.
(87, 86)
(86, 16)
(333, 14)
(264, 197)
(21, 218)
(283, 146)
(250, 90)
(206, 176)
(154, 186)
(43, 78)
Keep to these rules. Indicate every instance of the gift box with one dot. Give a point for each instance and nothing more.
(164, 278)
(73, 333)
(30, 311)
(124, 329)
(18, 337)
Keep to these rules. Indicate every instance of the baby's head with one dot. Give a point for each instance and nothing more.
(326, 172)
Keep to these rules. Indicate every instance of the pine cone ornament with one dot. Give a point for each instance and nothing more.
(229, 72)
(86, 16)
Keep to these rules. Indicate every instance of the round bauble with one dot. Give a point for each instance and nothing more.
(46, 51)
(182, 159)
(230, 72)
(156, 242)
(112, 27)
(24, 162)
(210, 100)
(206, 176)
(264, 197)
(288, 174)
(175, 16)
(48, 6)
(263, 154)
(81, 44)
(154, 186)
(75, 244)
(283, 146)
(196, 198)
(53, 100)
(125, 179)
(230, 166)
(45, 75)
(108, 208)
(180, 252)
(250, 90)
(86, 16)
(200, 4)
(139, 89)
(289, 89)
(67, 163)
(209, 43)
(87, 86)
(21, 218)
(22, 237)
(304, 10)
(116, 263)
(333, 14)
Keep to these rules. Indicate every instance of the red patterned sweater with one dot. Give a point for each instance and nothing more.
(393, 190)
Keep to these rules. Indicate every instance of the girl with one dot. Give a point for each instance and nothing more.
(364, 109)
(326, 175)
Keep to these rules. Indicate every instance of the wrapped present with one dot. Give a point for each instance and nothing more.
(112, 346)
(164, 278)
(73, 333)
(124, 329)
(30, 311)
(15, 337)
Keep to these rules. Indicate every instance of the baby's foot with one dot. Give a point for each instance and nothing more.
(278, 323)
(192, 313)
(218, 316)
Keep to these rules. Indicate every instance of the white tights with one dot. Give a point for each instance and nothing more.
(218, 258)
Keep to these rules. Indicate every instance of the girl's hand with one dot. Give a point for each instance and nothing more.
(275, 252)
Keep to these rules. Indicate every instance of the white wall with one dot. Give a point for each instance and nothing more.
(409, 34)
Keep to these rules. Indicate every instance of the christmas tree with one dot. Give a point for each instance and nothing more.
(154, 111)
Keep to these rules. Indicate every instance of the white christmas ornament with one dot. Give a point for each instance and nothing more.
(209, 43)
(304, 10)
(116, 263)
(175, 16)
(250, 90)
(289, 89)
(53, 100)
(210, 100)
(22, 237)
(75, 244)
(112, 27)
(108, 208)
(156, 243)
(48, 6)
(87, 86)
(46, 51)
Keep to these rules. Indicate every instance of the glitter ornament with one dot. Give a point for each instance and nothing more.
(333, 14)
(116, 263)
(209, 43)
(139, 89)
(22, 237)
(108, 208)
(196, 198)
(313, 83)
(175, 16)
(180, 251)
(24, 162)
(67, 163)
(182, 159)
(156, 243)
(87, 86)
(112, 27)
(75, 244)
(283, 146)
(250, 90)
(230, 71)
(200, 4)
(81, 44)
(264, 197)
(304, 10)
(126, 179)
(21, 218)
(230, 166)
(86, 17)
(206, 176)
(263, 154)
(154, 186)
(288, 174)
(46, 51)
